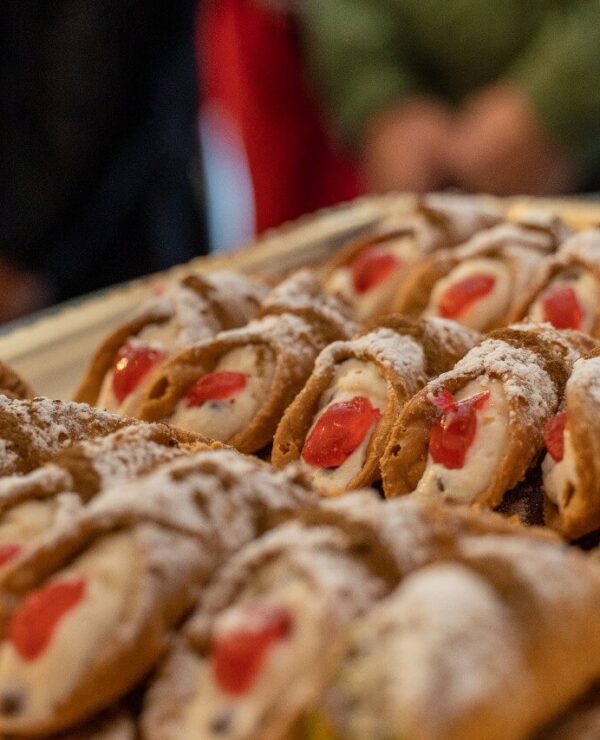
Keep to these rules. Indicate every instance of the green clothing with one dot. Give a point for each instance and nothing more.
(368, 54)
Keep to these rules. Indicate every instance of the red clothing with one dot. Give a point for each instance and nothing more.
(251, 66)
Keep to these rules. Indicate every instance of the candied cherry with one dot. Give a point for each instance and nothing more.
(454, 432)
(32, 625)
(371, 267)
(131, 365)
(562, 307)
(238, 653)
(554, 436)
(460, 296)
(215, 387)
(339, 431)
(8, 552)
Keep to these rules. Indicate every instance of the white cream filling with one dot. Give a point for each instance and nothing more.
(25, 521)
(285, 662)
(83, 632)
(486, 311)
(483, 456)
(380, 296)
(222, 419)
(585, 286)
(560, 477)
(352, 378)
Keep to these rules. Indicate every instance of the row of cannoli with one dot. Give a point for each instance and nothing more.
(358, 618)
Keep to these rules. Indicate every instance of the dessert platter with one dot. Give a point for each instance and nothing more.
(345, 484)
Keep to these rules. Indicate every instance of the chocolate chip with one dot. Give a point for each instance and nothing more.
(221, 723)
(11, 703)
(440, 485)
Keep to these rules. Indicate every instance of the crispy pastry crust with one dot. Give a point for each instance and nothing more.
(12, 385)
(442, 344)
(405, 457)
(217, 310)
(580, 513)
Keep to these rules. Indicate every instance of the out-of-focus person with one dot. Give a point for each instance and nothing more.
(255, 88)
(98, 112)
(483, 95)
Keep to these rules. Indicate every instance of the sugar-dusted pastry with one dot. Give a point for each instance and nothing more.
(568, 291)
(188, 310)
(12, 385)
(88, 611)
(490, 646)
(271, 628)
(470, 435)
(338, 425)
(571, 467)
(32, 431)
(482, 283)
(368, 270)
(33, 503)
(236, 386)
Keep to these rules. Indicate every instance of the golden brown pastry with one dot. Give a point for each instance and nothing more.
(338, 425)
(236, 386)
(187, 310)
(482, 283)
(471, 434)
(12, 385)
(367, 271)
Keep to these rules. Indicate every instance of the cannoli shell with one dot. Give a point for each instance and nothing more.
(294, 344)
(402, 383)
(405, 458)
(581, 513)
(32, 431)
(12, 385)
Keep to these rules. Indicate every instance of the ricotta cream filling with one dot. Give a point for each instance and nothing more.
(25, 521)
(585, 286)
(486, 311)
(380, 296)
(83, 632)
(221, 419)
(560, 477)
(352, 378)
(484, 454)
(284, 662)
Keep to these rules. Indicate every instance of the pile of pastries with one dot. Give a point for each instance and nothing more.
(333, 507)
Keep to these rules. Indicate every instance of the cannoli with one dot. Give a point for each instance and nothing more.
(490, 646)
(89, 610)
(482, 283)
(33, 503)
(191, 309)
(32, 431)
(338, 425)
(270, 629)
(117, 724)
(12, 385)
(571, 467)
(567, 293)
(235, 387)
(471, 434)
(367, 271)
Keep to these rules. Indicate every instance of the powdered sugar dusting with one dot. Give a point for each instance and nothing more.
(584, 247)
(504, 235)
(586, 375)
(519, 370)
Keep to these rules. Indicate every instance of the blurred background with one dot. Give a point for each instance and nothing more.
(137, 134)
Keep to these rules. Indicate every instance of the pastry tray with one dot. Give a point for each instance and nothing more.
(51, 349)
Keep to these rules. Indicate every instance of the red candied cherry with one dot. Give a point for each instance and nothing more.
(32, 625)
(8, 552)
(460, 296)
(338, 432)
(454, 432)
(562, 308)
(371, 267)
(131, 365)
(215, 387)
(554, 436)
(238, 653)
